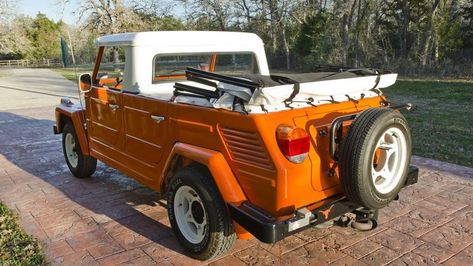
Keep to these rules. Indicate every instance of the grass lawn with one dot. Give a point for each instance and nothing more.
(70, 74)
(17, 247)
(441, 122)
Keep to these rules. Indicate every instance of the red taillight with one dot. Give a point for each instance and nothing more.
(293, 142)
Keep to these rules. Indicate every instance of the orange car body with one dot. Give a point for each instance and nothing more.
(240, 151)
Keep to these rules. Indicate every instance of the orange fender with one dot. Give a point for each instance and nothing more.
(76, 115)
(221, 172)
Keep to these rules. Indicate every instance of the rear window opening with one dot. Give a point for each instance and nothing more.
(173, 66)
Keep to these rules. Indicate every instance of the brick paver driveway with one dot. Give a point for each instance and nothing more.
(110, 219)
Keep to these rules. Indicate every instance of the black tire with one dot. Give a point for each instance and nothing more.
(219, 235)
(357, 153)
(86, 165)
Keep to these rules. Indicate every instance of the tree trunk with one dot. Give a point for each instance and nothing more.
(345, 39)
(405, 29)
(426, 53)
(286, 47)
(116, 59)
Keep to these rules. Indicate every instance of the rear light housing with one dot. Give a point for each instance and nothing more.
(294, 142)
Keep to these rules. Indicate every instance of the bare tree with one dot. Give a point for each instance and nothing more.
(155, 8)
(107, 17)
(217, 12)
(13, 36)
(7, 9)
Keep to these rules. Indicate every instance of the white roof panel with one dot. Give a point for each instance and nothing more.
(179, 38)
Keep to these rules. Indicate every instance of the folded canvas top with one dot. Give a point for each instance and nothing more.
(259, 93)
(291, 78)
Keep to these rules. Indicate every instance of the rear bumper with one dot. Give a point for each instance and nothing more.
(269, 230)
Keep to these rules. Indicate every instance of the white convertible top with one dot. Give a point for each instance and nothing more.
(180, 38)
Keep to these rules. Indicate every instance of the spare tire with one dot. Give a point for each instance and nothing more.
(374, 157)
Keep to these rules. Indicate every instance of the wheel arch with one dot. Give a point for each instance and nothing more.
(65, 114)
(184, 154)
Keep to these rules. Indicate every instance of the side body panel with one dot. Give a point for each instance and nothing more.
(105, 113)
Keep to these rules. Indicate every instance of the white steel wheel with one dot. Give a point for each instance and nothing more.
(389, 159)
(79, 164)
(190, 214)
(374, 157)
(71, 150)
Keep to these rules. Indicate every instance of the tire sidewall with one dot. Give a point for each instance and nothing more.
(69, 129)
(183, 179)
(393, 120)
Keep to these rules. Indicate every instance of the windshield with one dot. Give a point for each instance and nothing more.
(174, 65)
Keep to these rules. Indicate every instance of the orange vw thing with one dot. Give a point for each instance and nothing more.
(236, 151)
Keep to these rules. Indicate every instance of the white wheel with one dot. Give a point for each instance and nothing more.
(198, 214)
(389, 160)
(374, 157)
(71, 152)
(79, 164)
(191, 216)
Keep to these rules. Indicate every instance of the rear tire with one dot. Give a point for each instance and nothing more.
(198, 215)
(375, 156)
(80, 165)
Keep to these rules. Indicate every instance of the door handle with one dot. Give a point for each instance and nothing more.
(114, 107)
(157, 118)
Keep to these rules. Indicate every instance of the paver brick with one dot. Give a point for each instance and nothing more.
(256, 255)
(396, 241)
(453, 236)
(362, 248)
(411, 259)
(464, 257)
(348, 261)
(381, 256)
(433, 252)
(59, 248)
(122, 257)
(76, 259)
(227, 260)
(145, 260)
(283, 246)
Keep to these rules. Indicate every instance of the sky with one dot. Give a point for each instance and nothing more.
(50, 8)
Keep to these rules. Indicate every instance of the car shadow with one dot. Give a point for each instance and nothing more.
(115, 202)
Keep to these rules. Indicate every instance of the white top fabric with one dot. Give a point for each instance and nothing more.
(142, 47)
(179, 38)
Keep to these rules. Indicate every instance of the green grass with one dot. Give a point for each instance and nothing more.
(17, 247)
(70, 73)
(441, 121)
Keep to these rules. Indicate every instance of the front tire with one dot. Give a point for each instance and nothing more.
(80, 165)
(198, 214)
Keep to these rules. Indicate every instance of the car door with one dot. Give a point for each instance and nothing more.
(105, 123)
(145, 132)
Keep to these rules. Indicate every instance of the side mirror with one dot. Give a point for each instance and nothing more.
(85, 82)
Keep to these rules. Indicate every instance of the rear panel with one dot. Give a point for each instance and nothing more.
(248, 143)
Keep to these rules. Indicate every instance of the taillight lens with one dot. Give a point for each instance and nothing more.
(294, 142)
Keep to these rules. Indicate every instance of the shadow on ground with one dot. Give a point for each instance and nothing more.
(108, 200)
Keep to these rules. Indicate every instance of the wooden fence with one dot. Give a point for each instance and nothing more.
(30, 63)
